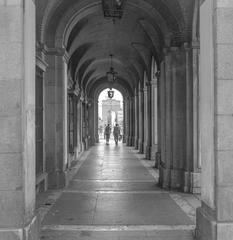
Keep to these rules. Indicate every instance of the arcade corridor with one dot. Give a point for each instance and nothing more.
(114, 195)
(172, 62)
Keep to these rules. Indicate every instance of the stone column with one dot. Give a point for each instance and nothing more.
(160, 100)
(17, 120)
(154, 116)
(141, 120)
(145, 126)
(128, 109)
(149, 121)
(178, 133)
(132, 121)
(56, 117)
(91, 121)
(195, 182)
(79, 125)
(215, 217)
(124, 122)
(192, 170)
(166, 120)
(136, 116)
(96, 116)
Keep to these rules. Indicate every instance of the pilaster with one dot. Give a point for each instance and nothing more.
(56, 117)
(136, 119)
(149, 121)
(145, 125)
(215, 217)
(154, 115)
(18, 220)
(141, 120)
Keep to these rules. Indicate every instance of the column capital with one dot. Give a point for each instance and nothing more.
(59, 52)
(154, 82)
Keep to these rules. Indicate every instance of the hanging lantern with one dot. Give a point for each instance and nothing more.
(110, 93)
(113, 8)
(111, 74)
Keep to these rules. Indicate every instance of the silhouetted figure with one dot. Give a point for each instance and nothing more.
(116, 133)
(107, 132)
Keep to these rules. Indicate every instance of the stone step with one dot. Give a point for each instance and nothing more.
(117, 235)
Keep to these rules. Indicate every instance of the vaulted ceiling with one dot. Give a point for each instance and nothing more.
(145, 28)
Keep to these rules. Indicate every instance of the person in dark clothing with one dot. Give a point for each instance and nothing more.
(107, 132)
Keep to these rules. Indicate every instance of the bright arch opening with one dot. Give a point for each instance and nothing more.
(110, 111)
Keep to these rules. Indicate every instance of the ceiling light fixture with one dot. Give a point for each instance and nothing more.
(113, 9)
(111, 77)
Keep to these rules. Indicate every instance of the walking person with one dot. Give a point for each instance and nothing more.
(107, 132)
(116, 133)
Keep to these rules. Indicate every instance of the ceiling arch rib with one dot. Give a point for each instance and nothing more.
(83, 68)
(145, 27)
(75, 31)
(120, 84)
(58, 12)
(76, 56)
(103, 66)
(103, 86)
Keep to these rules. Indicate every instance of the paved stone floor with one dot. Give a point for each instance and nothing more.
(114, 195)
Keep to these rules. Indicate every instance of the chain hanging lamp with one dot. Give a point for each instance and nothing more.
(111, 77)
(113, 9)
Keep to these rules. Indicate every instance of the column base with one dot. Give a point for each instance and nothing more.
(56, 180)
(170, 178)
(192, 182)
(209, 229)
(148, 152)
(154, 149)
(144, 147)
(30, 232)
(124, 139)
(157, 159)
(136, 143)
(206, 225)
(179, 180)
(164, 177)
(129, 141)
(140, 147)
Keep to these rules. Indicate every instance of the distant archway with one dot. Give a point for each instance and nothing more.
(110, 111)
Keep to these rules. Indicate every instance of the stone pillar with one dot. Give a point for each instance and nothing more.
(215, 217)
(154, 116)
(128, 110)
(141, 120)
(17, 120)
(96, 117)
(161, 101)
(136, 116)
(56, 117)
(145, 126)
(178, 148)
(195, 181)
(166, 120)
(192, 170)
(125, 122)
(132, 121)
(91, 122)
(149, 121)
(79, 125)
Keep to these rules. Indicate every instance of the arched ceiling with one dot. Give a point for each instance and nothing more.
(145, 28)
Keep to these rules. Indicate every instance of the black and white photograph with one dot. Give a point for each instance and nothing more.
(116, 119)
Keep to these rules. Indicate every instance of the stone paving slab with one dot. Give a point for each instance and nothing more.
(114, 196)
(110, 186)
(117, 235)
(116, 209)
